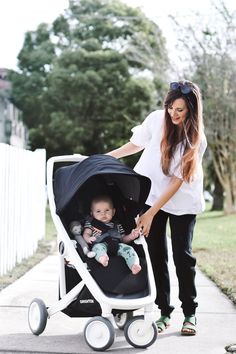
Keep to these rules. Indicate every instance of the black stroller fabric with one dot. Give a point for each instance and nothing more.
(75, 186)
(69, 179)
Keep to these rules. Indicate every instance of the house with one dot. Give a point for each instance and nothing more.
(12, 129)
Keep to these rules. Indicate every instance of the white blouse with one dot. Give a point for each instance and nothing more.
(189, 198)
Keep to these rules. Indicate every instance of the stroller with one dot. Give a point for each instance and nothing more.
(107, 295)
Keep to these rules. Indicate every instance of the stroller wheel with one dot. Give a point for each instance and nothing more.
(37, 316)
(122, 318)
(99, 333)
(135, 336)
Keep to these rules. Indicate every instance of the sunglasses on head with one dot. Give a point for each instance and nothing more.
(184, 88)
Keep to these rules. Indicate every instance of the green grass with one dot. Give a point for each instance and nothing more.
(215, 246)
(50, 228)
(45, 247)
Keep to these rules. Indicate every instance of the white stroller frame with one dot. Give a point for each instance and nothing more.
(140, 331)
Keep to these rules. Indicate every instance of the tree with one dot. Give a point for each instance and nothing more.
(212, 53)
(82, 83)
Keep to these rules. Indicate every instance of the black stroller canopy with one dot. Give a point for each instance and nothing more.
(69, 180)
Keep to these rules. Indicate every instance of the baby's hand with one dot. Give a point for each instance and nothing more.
(91, 239)
(135, 233)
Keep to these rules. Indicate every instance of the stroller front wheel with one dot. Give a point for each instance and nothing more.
(37, 316)
(135, 336)
(99, 333)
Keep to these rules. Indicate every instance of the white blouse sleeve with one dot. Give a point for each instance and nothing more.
(202, 147)
(142, 133)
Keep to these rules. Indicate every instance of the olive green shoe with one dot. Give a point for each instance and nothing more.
(162, 323)
(189, 326)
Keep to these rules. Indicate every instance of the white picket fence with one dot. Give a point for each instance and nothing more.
(22, 204)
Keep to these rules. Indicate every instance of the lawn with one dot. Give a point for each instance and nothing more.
(214, 246)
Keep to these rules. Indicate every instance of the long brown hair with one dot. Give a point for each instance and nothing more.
(190, 134)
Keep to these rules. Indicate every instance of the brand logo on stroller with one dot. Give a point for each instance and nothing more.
(86, 301)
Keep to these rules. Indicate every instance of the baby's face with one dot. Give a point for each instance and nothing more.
(102, 211)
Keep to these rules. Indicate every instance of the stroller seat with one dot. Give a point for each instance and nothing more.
(116, 278)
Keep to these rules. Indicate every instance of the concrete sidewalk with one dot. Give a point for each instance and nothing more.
(216, 320)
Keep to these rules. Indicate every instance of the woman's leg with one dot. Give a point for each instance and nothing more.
(157, 246)
(181, 236)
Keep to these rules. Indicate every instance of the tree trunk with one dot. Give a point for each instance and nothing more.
(227, 179)
(230, 204)
(218, 195)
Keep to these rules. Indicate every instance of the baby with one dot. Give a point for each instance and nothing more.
(106, 236)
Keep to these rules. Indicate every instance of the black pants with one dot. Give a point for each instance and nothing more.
(181, 228)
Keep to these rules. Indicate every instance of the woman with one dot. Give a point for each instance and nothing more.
(173, 143)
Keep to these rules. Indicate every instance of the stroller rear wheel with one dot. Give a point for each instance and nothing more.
(122, 318)
(99, 333)
(37, 316)
(134, 335)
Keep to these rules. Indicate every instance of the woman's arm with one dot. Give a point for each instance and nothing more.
(144, 222)
(125, 150)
